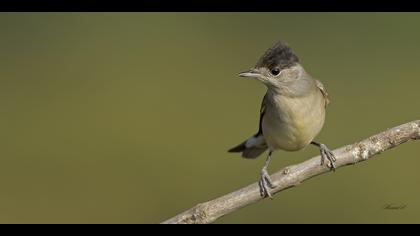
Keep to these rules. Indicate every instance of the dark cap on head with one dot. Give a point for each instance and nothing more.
(280, 56)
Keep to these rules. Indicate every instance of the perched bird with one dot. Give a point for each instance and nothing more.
(292, 111)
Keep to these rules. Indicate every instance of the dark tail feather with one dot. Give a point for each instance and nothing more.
(238, 148)
(249, 152)
(254, 152)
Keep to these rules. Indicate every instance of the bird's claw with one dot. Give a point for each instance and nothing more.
(265, 184)
(327, 154)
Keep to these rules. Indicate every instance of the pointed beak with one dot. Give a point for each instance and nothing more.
(250, 73)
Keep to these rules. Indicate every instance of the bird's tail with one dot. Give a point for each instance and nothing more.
(251, 148)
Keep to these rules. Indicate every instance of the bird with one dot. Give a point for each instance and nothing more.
(292, 111)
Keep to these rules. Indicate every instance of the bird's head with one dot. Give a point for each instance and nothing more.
(278, 67)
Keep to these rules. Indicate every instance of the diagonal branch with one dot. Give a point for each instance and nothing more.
(293, 175)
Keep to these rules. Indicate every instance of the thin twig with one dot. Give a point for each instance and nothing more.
(293, 175)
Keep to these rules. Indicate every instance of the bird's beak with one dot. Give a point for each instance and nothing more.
(253, 73)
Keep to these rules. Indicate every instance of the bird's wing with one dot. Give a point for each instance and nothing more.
(262, 112)
(323, 91)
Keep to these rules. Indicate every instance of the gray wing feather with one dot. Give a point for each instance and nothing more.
(262, 112)
(323, 91)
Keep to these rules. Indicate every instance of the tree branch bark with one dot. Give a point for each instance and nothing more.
(293, 175)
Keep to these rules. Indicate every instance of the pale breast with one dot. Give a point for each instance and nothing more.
(292, 123)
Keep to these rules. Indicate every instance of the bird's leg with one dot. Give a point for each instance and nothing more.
(325, 153)
(265, 182)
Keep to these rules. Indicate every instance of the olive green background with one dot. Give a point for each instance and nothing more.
(126, 117)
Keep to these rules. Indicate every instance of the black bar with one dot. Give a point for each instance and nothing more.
(206, 5)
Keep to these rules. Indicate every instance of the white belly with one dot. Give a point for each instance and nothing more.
(292, 123)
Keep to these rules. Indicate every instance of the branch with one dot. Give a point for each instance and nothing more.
(293, 175)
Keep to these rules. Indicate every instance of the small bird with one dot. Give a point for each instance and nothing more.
(292, 111)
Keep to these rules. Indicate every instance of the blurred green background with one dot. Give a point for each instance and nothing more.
(126, 117)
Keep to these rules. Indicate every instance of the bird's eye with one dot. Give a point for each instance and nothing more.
(275, 71)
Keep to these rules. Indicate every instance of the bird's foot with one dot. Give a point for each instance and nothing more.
(327, 154)
(265, 184)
